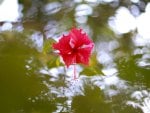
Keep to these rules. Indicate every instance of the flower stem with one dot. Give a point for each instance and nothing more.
(74, 72)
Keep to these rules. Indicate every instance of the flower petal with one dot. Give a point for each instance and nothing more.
(78, 38)
(74, 48)
(83, 54)
(69, 59)
(63, 45)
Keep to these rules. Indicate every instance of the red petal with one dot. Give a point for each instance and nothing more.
(78, 38)
(63, 45)
(83, 54)
(75, 47)
(69, 59)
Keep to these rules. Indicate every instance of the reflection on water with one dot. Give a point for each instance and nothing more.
(32, 77)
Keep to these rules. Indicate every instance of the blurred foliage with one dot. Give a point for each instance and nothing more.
(19, 79)
(120, 100)
(53, 58)
(130, 71)
(94, 68)
(23, 88)
(94, 105)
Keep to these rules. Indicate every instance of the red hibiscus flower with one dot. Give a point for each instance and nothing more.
(75, 47)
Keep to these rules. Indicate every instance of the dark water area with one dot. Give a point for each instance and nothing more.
(34, 79)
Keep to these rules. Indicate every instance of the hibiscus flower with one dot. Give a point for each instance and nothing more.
(75, 47)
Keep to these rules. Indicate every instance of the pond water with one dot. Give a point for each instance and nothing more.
(34, 79)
